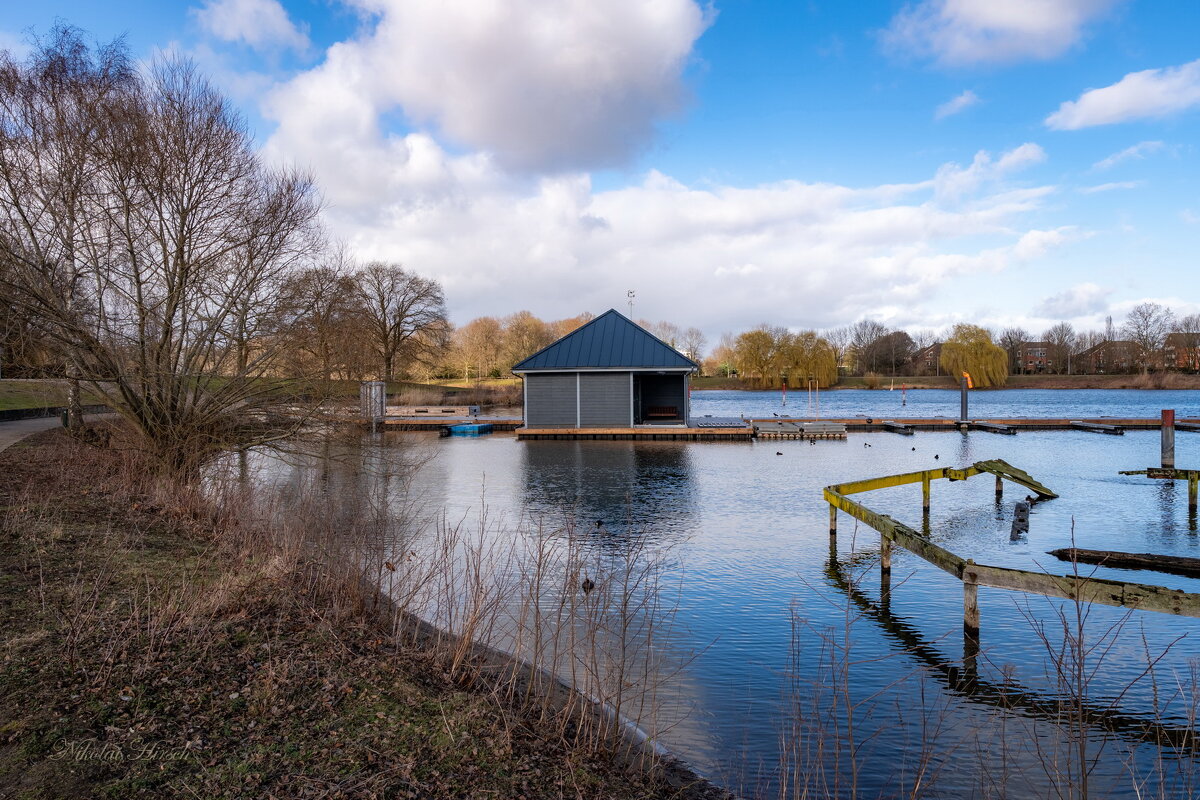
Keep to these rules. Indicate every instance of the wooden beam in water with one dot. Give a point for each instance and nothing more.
(1091, 590)
(994, 427)
(1176, 565)
(1096, 427)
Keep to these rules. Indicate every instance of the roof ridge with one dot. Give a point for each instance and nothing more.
(612, 351)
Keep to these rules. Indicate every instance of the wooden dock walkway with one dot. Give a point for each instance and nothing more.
(715, 428)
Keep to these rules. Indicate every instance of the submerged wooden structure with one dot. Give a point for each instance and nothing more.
(1073, 587)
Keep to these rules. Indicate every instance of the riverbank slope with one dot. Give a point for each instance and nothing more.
(146, 654)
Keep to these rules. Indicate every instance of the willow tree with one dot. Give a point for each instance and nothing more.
(756, 353)
(806, 355)
(146, 239)
(971, 349)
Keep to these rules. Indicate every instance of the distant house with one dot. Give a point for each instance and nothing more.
(1111, 357)
(928, 360)
(609, 373)
(1182, 351)
(1035, 357)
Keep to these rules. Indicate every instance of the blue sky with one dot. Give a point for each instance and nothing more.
(806, 164)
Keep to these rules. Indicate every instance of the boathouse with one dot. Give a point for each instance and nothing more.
(609, 373)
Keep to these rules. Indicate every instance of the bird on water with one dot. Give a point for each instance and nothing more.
(587, 585)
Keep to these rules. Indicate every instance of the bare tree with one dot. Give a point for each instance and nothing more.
(840, 340)
(478, 345)
(1012, 340)
(1061, 340)
(1188, 337)
(406, 315)
(692, 344)
(327, 319)
(1147, 326)
(863, 337)
(524, 335)
(139, 225)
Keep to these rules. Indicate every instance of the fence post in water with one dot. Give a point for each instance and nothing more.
(1168, 438)
(962, 412)
(925, 494)
(1193, 480)
(970, 605)
(832, 524)
(885, 570)
(999, 489)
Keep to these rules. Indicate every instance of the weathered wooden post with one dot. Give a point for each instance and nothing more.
(1168, 438)
(1193, 481)
(1020, 523)
(999, 489)
(925, 494)
(885, 571)
(970, 604)
(832, 525)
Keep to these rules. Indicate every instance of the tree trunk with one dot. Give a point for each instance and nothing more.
(74, 401)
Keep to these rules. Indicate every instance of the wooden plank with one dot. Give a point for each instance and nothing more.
(1089, 590)
(998, 466)
(1176, 565)
(1096, 427)
(885, 481)
(993, 427)
(898, 427)
(899, 533)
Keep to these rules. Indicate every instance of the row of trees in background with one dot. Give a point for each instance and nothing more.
(1152, 336)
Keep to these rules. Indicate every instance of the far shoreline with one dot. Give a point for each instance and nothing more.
(1152, 381)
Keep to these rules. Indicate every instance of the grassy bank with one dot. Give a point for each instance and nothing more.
(150, 651)
(19, 393)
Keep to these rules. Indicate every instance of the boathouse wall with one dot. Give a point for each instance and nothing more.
(551, 399)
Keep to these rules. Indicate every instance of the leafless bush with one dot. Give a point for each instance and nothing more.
(145, 239)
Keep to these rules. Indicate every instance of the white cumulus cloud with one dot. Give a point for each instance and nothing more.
(959, 32)
(540, 87)
(1078, 301)
(1147, 94)
(257, 23)
(953, 180)
(956, 104)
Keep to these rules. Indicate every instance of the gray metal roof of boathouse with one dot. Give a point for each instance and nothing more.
(610, 341)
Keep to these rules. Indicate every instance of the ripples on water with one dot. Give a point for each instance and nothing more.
(760, 611)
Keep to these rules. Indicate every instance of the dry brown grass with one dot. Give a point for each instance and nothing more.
(162, 641)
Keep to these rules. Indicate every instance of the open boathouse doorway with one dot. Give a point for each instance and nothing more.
(660, 399)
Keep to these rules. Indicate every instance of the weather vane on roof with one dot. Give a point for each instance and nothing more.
(630, 295)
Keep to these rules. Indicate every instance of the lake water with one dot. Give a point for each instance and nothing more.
(925, 403)
(787, 663)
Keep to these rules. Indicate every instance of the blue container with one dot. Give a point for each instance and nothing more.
(471, 429)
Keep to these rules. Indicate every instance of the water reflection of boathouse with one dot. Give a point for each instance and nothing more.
(622, 484)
